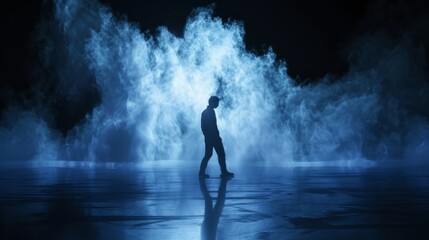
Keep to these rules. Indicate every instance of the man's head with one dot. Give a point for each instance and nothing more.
(214, 101)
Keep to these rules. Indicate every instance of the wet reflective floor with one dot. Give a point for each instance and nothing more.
(162, 202)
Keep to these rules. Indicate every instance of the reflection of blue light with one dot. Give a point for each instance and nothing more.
(154, 88)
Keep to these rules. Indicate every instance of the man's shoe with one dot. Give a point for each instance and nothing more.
(227, 175)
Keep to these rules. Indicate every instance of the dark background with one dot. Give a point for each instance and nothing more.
(307, 34)
(310, 35)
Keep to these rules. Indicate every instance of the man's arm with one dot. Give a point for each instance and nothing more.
(208, 125)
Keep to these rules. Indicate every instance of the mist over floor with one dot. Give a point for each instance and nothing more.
(152, 89)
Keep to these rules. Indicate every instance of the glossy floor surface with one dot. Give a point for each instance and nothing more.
(111, 201)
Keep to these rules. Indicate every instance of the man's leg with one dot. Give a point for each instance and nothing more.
(207, 155)
(218, 146)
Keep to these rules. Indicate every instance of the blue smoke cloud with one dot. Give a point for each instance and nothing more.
(154, 87)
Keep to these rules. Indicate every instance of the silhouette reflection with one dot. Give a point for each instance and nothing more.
(212, 214)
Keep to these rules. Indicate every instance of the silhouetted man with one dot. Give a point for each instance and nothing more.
(212, 139)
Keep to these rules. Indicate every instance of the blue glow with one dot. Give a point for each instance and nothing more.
(154, 88)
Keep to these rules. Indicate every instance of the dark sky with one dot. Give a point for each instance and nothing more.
(306, 33)
(310, 35)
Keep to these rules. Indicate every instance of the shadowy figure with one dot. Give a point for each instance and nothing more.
(212, 214)
(212, 139)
